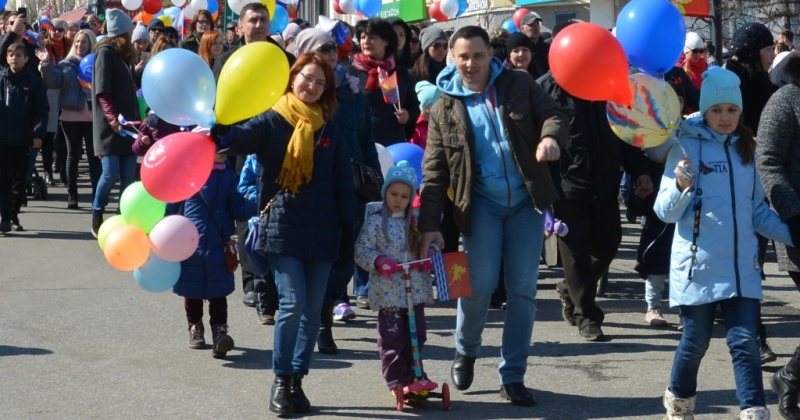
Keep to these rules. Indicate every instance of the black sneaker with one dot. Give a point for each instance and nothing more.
(5, 226)
(97, 221)
(592, 332)
(567, 309)
(16, 227)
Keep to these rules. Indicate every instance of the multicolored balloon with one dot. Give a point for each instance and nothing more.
(653, 115)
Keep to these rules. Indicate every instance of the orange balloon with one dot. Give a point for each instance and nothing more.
(582, 46)
(146, 17)
(127, 248)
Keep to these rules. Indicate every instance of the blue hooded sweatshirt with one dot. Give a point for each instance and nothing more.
(498, 178)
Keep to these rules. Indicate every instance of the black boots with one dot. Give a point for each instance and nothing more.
(463, 371)
(280, 400)
(325, 343)
(300, 403)
(786, 383)
(764, 350)
(223, 343)
(196, 338)
(97, 221)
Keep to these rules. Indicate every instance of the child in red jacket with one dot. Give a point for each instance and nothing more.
(427, 94)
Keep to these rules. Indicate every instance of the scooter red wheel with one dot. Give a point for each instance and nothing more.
(399, 396)
(445, 397)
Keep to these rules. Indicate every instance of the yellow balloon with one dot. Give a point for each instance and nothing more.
(251, 81)
(270, 4)
(167, 21)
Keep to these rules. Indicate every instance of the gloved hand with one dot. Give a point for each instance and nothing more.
(222, 135)
(794, 229)
(385, 265)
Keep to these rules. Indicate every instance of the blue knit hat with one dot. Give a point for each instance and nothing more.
(720, 86)
(404, 173)
(427, 94)
(117, 22)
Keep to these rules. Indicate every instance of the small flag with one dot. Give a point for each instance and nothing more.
(46, 23)
(452, 275)
(389, 87)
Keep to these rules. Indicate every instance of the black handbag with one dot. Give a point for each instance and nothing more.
(368, 182)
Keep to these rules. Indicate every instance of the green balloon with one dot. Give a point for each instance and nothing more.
(142, 107)
(139, 208)
(107, 227)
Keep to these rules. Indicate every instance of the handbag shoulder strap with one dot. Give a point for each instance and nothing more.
(213, 219)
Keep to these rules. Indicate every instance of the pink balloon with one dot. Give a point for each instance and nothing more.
(174, 238)
(177, 166)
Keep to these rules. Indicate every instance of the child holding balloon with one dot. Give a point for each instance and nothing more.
(715, 198)
(206, 275)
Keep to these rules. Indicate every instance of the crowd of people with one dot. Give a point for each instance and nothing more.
(504, 144)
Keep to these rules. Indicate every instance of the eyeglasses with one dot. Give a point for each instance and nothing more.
(698, 51)
(439, 46)
(327, 48)
(316, 83)
(156, 30)
(203, 22)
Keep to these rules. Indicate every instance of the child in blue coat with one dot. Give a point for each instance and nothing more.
(204, 275)
(715, 198)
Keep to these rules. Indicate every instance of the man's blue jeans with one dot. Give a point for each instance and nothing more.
(301, 289)
(511, 236)
(741, 326)
(122, 167)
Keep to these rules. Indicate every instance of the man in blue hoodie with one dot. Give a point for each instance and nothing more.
(490, 137)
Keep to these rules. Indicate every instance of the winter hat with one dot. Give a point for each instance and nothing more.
(156, 23)
(140, 32)
(73, 23)
(291, 31)
(529, 19)
(427, 93)
(430, 35)
(518, 39)
(118, 23)
(309, 40)
(720, 86)
(404, 173)
(748, 42)
(60, 23)
(693, 42)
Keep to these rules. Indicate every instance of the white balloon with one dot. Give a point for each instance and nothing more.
(237, 5)
(188, 11)
(349, 6)
(131, 4)
(384, 157)
(448, 7)
(178, 3)
(198, 5)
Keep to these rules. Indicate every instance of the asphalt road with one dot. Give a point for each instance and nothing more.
(80, 340)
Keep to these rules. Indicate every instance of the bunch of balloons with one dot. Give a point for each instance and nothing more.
(368, 8)
(649, 36)
(443, 10)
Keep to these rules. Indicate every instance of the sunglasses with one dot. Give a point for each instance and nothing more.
(156, 30)
(327, 48)
(439, 46)
(59, 30)
(698, 51)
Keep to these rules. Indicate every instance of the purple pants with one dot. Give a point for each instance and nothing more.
(394, 344)
(217, 310)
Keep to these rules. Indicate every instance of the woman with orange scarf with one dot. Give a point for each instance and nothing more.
(305, 173)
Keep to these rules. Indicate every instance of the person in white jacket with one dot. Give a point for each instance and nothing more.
(715, 198)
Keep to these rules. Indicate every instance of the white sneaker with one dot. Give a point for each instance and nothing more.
(755, 413)
(655, 318)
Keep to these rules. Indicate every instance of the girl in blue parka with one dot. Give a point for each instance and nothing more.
(715, 198)
(204, 275)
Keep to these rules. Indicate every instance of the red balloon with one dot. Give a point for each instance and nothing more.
(435, 12)
(575, 49)
(518, 16)
(151, 6)
(337, 8)
(177, 166)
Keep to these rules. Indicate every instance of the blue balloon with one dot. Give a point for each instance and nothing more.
(180, 88)
(410, 153)
(368, 8)
(3, 4)
(652, 33)
(510, 26)
(462, 7)
(213, 6)
(86, 68)
(157, 275)
(279, 21)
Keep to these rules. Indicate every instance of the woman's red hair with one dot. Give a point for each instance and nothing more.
(204, 51)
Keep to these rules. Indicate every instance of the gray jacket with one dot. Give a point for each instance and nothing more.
(778, 162)
(64, 76)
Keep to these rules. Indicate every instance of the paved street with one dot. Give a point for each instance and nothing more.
(80, 340)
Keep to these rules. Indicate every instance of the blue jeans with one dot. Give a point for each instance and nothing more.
(511, 236)
(122, 167)
(741, 327)
(301, 289)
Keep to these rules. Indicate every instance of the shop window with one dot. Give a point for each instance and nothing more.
(565, 16)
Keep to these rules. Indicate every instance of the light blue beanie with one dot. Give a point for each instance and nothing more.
(720, 86)
(404, 173)
(117, 22)
(427, 94)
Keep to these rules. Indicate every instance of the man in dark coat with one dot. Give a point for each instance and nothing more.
(530, 25)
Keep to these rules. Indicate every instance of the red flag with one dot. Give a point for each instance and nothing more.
(452, 275)
(693, 8)
(389, 87)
